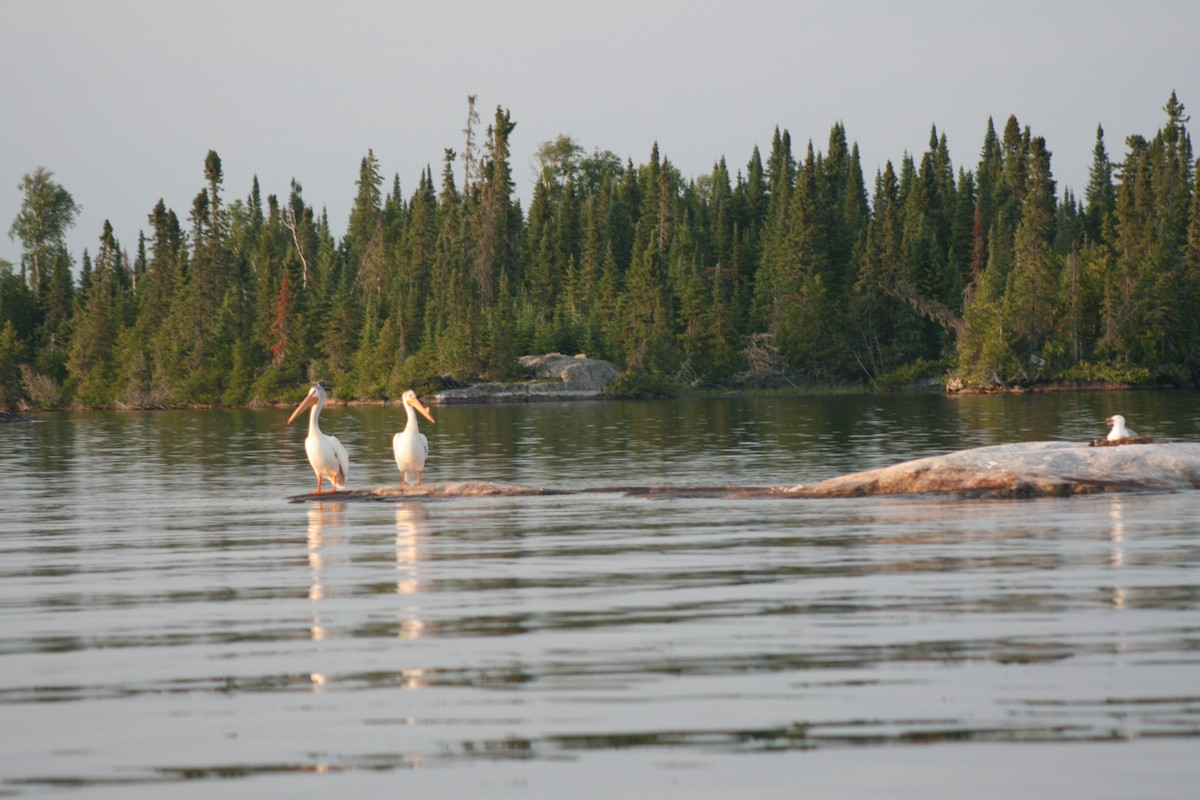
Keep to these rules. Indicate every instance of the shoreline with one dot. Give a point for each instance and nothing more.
(1063, 387)
(518, 393)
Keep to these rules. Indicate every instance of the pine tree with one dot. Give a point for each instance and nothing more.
(1189, 338)
(366, 250)
(418, 246)
(888, 332)
(988, 175)
(90, 364)
(17, 303)
(1150, 305)
(800, 316)
(1100, 198)
(12, 355)
(496, 237)
(780, 179)
(1033, 284)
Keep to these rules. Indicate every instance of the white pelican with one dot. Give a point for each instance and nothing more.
(410, 445)
(1119, 431)
(326, 454)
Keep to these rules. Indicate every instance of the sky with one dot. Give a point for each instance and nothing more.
(123, 99)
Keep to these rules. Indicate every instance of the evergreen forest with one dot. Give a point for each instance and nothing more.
(790, 270)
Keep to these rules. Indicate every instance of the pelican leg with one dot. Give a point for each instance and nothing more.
(319, 483)
(418, 477)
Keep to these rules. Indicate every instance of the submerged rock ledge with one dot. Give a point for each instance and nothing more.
(443, 491)
(1027, 469)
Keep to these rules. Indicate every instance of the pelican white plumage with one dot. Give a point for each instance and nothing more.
(327, 455)
(1119, 431)
(410, 445)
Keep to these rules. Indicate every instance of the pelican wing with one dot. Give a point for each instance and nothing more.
(343, 463)
(398, 450)
(420, 449)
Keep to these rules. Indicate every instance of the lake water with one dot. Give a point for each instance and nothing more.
(172, 625)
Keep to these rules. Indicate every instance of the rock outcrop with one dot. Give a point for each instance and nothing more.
(553, 376)
(1029, 469)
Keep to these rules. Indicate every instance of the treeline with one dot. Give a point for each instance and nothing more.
(791, 270)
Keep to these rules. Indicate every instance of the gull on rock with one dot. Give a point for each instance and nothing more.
(1119, 431)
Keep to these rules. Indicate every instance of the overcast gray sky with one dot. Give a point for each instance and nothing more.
(122, 99)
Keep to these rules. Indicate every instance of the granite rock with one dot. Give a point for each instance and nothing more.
(1027, 469)
(553, 376)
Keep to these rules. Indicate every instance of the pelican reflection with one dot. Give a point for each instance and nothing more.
(410, 543)
(321, 517)
(1116, 531)
(1116, 535)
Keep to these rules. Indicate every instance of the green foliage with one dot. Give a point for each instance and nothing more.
(632, 384)
(417, 372)
(1107, 373)
(787, 272)
(47, 213)
(11, 356)
(916, 373)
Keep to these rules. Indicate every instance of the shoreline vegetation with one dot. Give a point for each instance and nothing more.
(503, 394)
(793, 272)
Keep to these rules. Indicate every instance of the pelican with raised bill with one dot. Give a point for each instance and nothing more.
(410, 445)
(1119, 431)
(327, 455)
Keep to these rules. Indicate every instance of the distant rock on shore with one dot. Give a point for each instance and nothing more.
(552, 376)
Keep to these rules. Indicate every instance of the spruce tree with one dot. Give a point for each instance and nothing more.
(1033, 283)
(12, 356)
(1100, 198)
(90, 364)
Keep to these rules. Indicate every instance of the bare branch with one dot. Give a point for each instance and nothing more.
(289, 220)
(932, 309)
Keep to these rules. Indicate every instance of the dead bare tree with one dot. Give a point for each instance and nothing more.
(289, 221)
(469, 156)
(765, 365)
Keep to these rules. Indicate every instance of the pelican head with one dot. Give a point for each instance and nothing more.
(316, 394)
(410, 400)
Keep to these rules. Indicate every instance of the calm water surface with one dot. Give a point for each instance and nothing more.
(172, 626)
